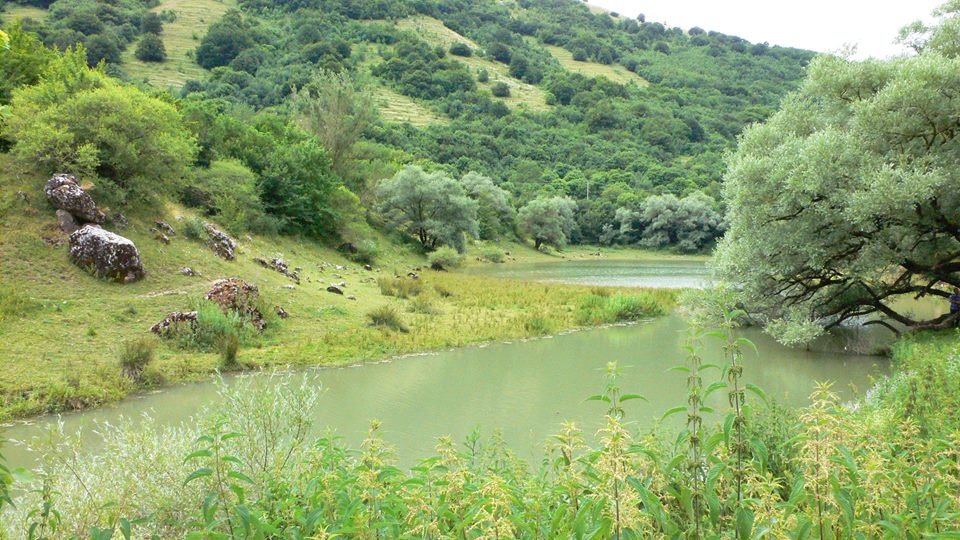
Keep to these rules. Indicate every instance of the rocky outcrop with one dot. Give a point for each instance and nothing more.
(64, 193)
(105, 254)
(220, 242)
(335, 290)
(234, 294)
(172, 323)
(277, 264)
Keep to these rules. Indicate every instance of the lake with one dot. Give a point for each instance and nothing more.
(525, 389)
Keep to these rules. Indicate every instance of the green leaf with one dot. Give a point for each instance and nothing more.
(672, 411)
(198, 454)
(628, 397)
(237, 475)
(199, 473)
(758, 391)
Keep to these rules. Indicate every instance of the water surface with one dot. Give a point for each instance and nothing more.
(525, 389)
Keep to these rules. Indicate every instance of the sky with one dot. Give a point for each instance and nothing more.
(819, 25)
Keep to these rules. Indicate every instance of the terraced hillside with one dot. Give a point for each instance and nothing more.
(180, 38)
(522, 95)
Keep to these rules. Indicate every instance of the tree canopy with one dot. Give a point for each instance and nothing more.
(846, 200)
(548, 221)
(433, 207)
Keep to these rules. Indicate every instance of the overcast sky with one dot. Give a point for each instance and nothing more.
(819, 25)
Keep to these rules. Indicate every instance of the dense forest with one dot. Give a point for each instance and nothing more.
(639, 157)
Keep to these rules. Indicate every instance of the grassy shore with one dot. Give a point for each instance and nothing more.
(62, 331)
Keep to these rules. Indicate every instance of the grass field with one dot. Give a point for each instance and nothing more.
(180, 38)
(614, 72)
(398, 108)
(61, 330)
(13, 12)
(522, 95)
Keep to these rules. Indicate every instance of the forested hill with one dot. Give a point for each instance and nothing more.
(546, 97)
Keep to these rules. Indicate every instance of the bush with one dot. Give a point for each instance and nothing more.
(79, 120)
(399, 287)
(367, 252)
(444, 258)
(538, 325)
(461, 49)
(483, 76)
(228, 346)
(500, 89)
(607, 309)
(193, 228)
(136, 355)
(493, 254)
(151, 49)
(228, 189)
(387, 317)
(424, 305)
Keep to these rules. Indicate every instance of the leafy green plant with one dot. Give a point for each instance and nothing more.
(493, 254)
(136, 355)
(387, 317)
(445, 257)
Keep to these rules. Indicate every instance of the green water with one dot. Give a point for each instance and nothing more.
(525, 389)
(672, 273)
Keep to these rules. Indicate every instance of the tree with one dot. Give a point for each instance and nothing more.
(549, 221)
(22, 60)
(151, 23)
(79, 120)
(690, 224)
(225, 39)
(336, 111)
(151, 49)
(494, 211)
(433, 207)
(846, 199)
(102, 48)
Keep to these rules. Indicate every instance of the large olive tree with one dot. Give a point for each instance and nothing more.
(848, 198)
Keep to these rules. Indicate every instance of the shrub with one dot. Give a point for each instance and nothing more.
(136, 355)
(483, 76)
(367, 252)
(424, 305)
(606, 308)
(500, 89)
(493, 254)
(399, 287)
(228, 189)
(461, 49)
(387, 317)
(151, 49)
(445, 257)
(538, 325)
(193, 228)
(228, 345)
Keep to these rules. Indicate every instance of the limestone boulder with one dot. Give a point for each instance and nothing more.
(64, 193)
(220, 242)
(105, 254)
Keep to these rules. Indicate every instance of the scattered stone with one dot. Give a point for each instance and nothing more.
(335, 290)
(172, 321)
(21, 196)
(163, 238)
(187, 271)
(67, 222)
(64, 193)
(220, 243)
(166, 228)
(348, 247)
(340, 267)
(338, 276)
(342, 284)
(106, 254)
(278, 265)
(119, 220)
(367, 267)
(437, 266)
(282, 313)
(413, 275)
(507, 253)
(351, 297)
(291, 287)
(234, 294)
(53, 241)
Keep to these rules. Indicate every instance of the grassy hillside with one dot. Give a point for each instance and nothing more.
(614, 72)
(180, 38)
(522, 95)
(61, 330)
(12, 12)
(398, 108)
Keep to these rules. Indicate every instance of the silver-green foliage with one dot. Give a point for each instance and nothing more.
(549, 221)
(433, 207)
(847, 197)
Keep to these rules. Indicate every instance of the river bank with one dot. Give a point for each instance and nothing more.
(62, 335)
